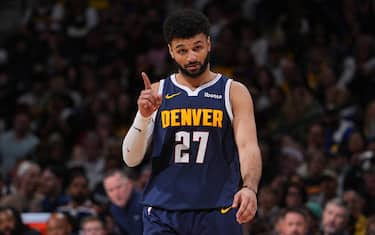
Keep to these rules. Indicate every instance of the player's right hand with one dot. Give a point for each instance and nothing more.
(149, 100)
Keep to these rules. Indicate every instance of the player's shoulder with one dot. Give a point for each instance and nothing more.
(239, 93)
(234, 85)
(161, 83)
(233, 82)
(237, 86)
(156, 86)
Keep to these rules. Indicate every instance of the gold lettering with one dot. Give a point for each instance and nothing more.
(217, 118)
(192, 117)
(186, 118)
(165, 118)
(174, 117)
(197, 113)
(207, 117)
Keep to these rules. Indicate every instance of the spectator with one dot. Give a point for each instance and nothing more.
(335, 218)
(19, 142)
(315, 138)
(307, 107)
(125, 207)
(57, 114)
(294, 196)
(354, 176)
(356, 144)
(328, 186)
(11, 223)
(25, 197)
(290, 159)
(356, 203)
(79, 205)
(51, 186)
(35, 96)
(78, 20)
(94, 161)
(53, 151)
(93, 226)
(292, 221)
(337, 129)
(58, 224)
(312, 171)
(339, 164)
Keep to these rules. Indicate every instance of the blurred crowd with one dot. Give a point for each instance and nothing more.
(70, 76)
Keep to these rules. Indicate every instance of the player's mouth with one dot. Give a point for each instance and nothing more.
(193, 67)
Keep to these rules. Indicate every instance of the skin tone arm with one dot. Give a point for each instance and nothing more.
(250, 158)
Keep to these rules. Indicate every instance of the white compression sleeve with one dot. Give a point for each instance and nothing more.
(137, 139)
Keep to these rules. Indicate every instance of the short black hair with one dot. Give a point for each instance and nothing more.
(185, 23)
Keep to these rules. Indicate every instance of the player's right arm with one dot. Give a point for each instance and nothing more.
(139, 134)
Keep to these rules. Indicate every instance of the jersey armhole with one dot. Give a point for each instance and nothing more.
(161, 86)
(228, 105)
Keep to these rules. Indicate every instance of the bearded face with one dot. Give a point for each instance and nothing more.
(191, 55)
(194, 69)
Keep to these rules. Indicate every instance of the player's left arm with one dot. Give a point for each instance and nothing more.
(249, 153)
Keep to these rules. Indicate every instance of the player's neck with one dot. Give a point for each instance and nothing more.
(194, 83)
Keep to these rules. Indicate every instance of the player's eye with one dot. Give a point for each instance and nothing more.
(198, 48)
(181, 51)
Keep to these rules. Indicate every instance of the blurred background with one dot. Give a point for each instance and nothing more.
(70, 77)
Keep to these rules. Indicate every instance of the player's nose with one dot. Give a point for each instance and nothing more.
(192, 56)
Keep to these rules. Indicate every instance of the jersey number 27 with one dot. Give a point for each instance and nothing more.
(183, 140)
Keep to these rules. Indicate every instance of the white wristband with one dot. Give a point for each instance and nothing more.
(141, 123)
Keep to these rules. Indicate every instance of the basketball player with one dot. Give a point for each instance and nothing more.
(206, 162)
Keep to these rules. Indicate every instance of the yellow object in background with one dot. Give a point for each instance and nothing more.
(99, 4)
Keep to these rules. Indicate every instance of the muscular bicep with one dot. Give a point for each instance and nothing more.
(243, 116)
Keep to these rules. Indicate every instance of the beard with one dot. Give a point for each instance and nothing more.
(196, 73)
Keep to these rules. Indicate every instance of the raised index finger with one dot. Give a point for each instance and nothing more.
(146, 80)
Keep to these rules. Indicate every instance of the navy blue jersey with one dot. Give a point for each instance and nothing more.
(195, 163)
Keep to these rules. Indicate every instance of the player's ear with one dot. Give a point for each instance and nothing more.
(170, 50)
